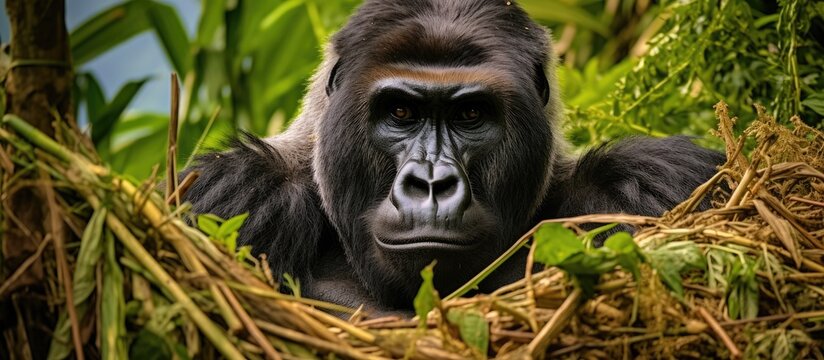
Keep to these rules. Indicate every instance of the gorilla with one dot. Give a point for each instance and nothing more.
(429, 132)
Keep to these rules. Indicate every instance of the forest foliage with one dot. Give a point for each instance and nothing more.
(627, 67)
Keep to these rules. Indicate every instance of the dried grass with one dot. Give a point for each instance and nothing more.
(761, 295)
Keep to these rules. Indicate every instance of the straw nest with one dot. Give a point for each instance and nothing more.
(744, 279)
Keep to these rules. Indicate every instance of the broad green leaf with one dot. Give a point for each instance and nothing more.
(621, 243)
(558, 246)
(208, 225)
(427, 297)
(137, 141)
(92, 94)
(211, 19)
(108, 29)
(120, 23)
(103, 125)
(275, 15)
(136, 127)
(172, 34)
(555, 244)
(627, 253)
(815, 102)
(561, 12)
(473, 328)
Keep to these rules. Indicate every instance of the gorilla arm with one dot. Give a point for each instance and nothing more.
(285, 218)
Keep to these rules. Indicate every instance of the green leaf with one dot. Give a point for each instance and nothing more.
(91, 248)
(673, 259)
(815, 102)
(628, 254)
(232, 225)
(120, 23)
(555, 244)
(231, 242)
(621, 243)
(211, 19)
(92, 94)
(108, 29)
(292, 283)
(149, 346)
(563, 13)
(590, 235)
(600, 85)
(172, 34)
(207, 224)
(427, 297)
(83, 284)
(275, 15)
(103, 125)
(473, 328)
(592, 262)
(134, 144)
(113, 309)
(243, 252)
(742, 300)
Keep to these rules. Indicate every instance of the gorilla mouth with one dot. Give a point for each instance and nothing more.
(429, 242)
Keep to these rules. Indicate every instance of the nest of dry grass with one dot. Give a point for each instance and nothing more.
(748, 279)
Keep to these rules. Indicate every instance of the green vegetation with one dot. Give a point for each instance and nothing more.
(627, 67)
(739, 280)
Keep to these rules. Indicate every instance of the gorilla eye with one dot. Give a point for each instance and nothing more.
(470, 114)
(401, 112)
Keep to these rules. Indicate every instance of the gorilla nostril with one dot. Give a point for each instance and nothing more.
(416, 188)
(445, 188)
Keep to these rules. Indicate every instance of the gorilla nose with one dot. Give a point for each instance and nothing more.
(432, 190)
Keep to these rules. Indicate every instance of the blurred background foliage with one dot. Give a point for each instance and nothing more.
(627, 67)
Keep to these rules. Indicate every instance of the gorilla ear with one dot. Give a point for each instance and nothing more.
(541, 83)
(332, 84)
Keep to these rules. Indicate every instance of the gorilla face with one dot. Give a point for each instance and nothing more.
(435, 140)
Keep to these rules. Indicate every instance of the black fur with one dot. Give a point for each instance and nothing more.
(316, 214)
(285, 220)
(638, 175)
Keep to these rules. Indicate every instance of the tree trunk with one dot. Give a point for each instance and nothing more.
(38, 88)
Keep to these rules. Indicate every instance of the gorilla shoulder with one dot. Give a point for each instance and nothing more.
(637, 175)
(285, 219)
